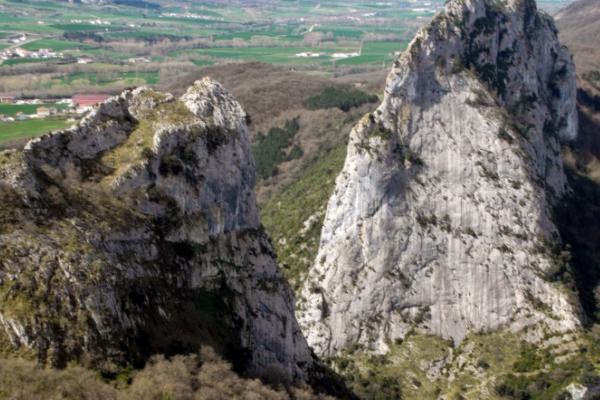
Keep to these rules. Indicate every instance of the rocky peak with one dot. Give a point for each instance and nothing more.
(136, 232)
(510, 48)
(441, 218)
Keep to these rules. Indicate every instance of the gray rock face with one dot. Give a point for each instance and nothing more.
(136, 233)
(441, 217)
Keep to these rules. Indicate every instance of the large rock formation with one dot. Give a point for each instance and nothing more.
(136, 233)
(441, 217)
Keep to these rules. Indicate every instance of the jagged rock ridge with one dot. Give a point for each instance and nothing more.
(137, 233)
(441, 217)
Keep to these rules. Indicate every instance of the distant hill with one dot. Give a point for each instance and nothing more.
(579, 26)
(130, 3)
(580, 22)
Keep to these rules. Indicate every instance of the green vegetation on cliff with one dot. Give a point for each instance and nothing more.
(294, 217)
(271, 150)
(342, 98)
(498, 365)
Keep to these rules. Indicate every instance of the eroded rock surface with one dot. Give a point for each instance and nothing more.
(441, 217)
(137, 233)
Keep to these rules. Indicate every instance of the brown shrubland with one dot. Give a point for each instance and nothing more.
(192, 377)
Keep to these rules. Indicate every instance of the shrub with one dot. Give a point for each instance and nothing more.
(529, 361)
(344, 99)
(190, 377)
(504, 135)
(592, 76)
(147, 153)
(269, 149)
(170, 165)
(469, 231)
(424, 220)
(588, 99)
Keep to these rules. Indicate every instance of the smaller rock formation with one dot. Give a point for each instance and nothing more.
(137, 233)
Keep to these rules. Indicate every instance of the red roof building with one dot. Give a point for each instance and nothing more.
(6, 99)
(88, 100)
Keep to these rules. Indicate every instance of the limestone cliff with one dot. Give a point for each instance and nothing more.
(441, 218)
(137, 233)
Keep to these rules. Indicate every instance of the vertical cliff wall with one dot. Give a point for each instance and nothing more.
(441, 217)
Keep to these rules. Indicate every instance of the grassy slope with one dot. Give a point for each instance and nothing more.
(287, 216)
(499, 365)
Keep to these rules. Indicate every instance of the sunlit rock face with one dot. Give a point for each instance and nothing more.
(136, 232)
(441, 217)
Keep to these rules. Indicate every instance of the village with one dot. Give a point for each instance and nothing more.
(18, 52)
(15, 51)
(12, 109)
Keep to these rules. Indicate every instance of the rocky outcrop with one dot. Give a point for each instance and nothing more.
(137, 233)
(441, 218)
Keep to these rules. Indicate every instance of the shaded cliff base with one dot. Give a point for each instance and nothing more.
(202, 376)
(578, 217)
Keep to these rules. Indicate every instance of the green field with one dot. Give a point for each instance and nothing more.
(344, 32)
(232, 31)
(29, 129)
(372, 53)
(85, 27)
(17, 61)
(103, 79)
(288, 32)
(375, 52)
(54, 44)
(144, 34)
(30, 109)
(274, 55)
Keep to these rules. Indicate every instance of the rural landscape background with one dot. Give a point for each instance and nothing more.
(53, 50)
(306, 72)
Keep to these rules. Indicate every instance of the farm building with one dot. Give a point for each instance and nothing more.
(22, 52)
(85, 60)
(85, 102)
(6, 99)
(45, 111)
